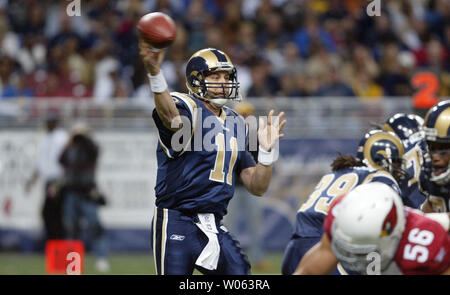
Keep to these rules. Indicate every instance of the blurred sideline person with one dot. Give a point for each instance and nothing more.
(371, 221)
(409, 128)
(378, 159)
(196, 179)
(246, 206)
(51, 172)
(81, 196)
(435, 174)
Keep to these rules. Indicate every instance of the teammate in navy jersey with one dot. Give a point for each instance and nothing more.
(435, 173)
(203, 147)
(378, 157)
(409, 128)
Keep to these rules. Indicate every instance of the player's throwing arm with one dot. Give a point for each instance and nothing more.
(164, 103)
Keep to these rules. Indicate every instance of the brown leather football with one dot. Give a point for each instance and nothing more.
(158, 29)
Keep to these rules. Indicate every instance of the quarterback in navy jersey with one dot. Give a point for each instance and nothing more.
(409, 128)
(378, 159)
(435, 173)
(203, 146)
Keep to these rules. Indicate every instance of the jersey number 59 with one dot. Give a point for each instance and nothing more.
(336, 188)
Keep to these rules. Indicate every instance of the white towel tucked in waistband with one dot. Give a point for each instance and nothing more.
(210, 254)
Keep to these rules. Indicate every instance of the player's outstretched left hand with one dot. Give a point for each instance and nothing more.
(270, 133)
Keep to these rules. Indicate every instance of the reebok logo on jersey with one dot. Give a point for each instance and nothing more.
(177, 237)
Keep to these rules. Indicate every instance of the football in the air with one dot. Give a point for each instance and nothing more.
(158, 29)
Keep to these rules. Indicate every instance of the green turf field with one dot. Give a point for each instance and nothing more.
(29, 264)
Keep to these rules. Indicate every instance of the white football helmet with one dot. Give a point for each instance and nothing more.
(369, 219)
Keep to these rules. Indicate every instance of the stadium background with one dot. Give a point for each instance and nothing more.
(333, 69)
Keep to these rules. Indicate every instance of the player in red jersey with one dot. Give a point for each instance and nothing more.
(372, 219)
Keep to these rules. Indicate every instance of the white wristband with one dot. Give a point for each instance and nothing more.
(157, 83)
(268, 158)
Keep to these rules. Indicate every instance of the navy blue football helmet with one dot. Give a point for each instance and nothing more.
(437, 135)
(380, 149)
(405, 126)
(437, 123)
(207, 61)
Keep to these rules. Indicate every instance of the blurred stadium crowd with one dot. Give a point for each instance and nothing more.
(285, 48)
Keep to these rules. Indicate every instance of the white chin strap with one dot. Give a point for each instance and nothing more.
(218, 102)
(443, 178)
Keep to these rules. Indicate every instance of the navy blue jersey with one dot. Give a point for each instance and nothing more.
(438, 195)
(310, 216)
(198, 165)
(413, 160)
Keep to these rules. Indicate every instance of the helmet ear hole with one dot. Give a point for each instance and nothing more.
(196, 85)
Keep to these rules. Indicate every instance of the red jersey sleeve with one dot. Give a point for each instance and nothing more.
(330, 217)
(424, 247)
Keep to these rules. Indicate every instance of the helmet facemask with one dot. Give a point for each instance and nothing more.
(395, 166)
(440, 175)
(355, 257)
(202, 88)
